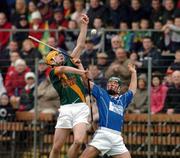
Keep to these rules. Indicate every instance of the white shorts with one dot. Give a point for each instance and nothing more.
(72, 114)
(108, 141)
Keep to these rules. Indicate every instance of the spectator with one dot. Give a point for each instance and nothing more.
(156, 11)
(7, 113)
(27, 95)
(36, 24)
(140, 101)
(119, 67)
(134, 60)
(168, 78)
(45, 11)
(97, 37)
(137, 12)
(21, 24)
(89, 55)
(72, 35)
(150, 51)
(60, 23)
(43, 71)
(97, 9)
(15, 82)
(32, 7)
(176, 64)
(79, 9)
(48, 98)
(5, 55)
(118, 13)
(20, 9)
(136, 37)
(115, 44)
(4, 36)
(68, 9)
(169, 10)
(172, 36)
(172, 102)
(158, 35)
(102, 61)
(125, 36)
(14, 56)
(144, 26)
(158, 93)
(29, 53)
(2, 88)
(97, 75)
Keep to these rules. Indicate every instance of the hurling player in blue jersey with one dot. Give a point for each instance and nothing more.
(111, 105)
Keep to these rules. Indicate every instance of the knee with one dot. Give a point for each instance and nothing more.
(78, 142)
(56, 149)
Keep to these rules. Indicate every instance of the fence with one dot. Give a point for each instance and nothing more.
(17, 140)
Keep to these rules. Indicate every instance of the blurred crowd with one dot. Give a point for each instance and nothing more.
(127, 31)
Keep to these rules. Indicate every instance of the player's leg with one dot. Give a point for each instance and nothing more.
(124, 155)
(59, 140)
(80, 115)
(79, 132)
(90, 152)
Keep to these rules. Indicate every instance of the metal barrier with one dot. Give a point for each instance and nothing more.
(165, 139)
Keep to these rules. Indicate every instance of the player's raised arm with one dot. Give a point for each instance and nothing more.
(82, 37)
(133, 83)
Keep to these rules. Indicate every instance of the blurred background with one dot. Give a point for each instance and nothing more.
(143, 32)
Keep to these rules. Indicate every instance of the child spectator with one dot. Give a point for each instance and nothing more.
(27, 95)
(158, 93)
(125, 36)
(7, 113)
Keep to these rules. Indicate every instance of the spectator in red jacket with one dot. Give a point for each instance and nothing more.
(15, 82)
(4, 36)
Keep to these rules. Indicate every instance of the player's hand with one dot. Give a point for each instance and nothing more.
(84, 19)
(131, 68)
(77, 62)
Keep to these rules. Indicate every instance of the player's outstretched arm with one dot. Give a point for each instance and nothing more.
(81, 38)
(64, 69)
(133, 83)
(86, 76)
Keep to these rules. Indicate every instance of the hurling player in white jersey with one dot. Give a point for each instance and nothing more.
(111, 106)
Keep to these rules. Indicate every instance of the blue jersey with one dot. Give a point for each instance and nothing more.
(111, 109)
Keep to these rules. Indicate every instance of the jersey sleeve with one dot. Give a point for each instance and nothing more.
(96, 91)
(127, 98)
